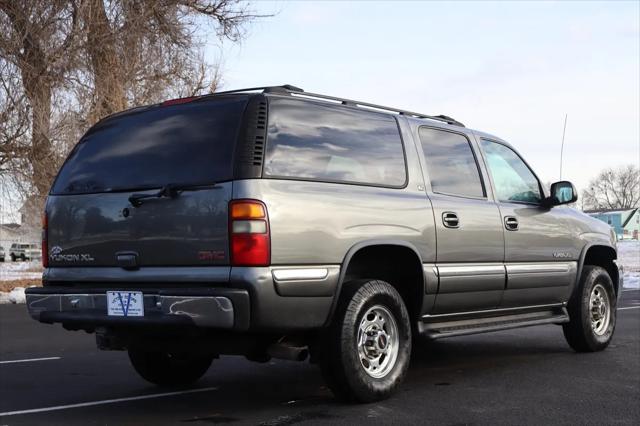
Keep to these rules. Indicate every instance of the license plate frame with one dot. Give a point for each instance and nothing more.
(125, 303)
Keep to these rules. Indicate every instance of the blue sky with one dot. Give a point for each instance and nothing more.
(508, 68)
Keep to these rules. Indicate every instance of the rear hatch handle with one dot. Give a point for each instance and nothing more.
(127, 259)
(170, 190)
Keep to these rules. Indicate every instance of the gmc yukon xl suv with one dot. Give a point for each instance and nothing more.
(272, 222)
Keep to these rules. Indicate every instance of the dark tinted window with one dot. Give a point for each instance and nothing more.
(329, 143)
(186, 143)
(451, 164)
(514, 181)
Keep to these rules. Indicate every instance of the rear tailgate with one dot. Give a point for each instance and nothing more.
(106, 230)
(92, 222)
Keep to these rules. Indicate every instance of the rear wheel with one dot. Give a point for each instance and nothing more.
(366, 351)
(169, 368)
(23, 257)
(592, 310)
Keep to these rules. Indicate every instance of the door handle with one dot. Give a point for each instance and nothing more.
(511, 223)
(450, 220)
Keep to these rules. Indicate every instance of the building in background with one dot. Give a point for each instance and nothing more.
(625, 222)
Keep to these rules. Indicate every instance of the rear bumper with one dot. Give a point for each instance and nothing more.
(274, 299)
(87, 308)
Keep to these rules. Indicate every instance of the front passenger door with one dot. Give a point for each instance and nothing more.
(538, 244)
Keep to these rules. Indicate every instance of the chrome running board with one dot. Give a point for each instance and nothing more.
(438, 328)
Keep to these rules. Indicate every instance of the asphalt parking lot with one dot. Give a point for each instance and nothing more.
(523, 376)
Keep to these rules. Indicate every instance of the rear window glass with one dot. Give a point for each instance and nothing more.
(180, 144)
(333, 144)
(451, 164)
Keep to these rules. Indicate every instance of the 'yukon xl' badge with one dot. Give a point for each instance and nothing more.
(57, 256)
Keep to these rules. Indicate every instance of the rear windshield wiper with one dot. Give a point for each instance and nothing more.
(170, 190)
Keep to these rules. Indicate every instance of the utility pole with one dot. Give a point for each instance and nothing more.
(562, 145)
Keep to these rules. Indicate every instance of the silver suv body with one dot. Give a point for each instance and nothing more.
(269, 222)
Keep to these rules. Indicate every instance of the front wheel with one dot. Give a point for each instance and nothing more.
(169, 368)
(365, 353)
(592, 311)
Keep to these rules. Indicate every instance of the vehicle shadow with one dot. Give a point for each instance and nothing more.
(296, 392)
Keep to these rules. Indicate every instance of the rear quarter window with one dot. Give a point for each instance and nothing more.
(187, 143)
(329, 143)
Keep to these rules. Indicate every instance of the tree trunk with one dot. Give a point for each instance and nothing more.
(107, 69)
(39, 94)
(37, 84)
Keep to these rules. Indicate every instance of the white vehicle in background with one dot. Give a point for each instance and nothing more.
(24, 252)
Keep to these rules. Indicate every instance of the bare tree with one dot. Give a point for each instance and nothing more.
(143, 51)
(34, 41)
(64, 64)
(614, 188)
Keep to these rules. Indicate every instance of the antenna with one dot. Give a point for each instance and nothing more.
(562, 145)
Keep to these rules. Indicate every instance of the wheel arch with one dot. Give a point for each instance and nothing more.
(602, 255)
(358, 252)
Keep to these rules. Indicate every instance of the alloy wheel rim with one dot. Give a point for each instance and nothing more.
(599, 310)
(378, 341)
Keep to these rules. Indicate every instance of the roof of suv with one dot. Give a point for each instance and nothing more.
(289, 90)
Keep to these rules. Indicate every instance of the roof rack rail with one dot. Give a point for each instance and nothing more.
(285, 88)
(288, 89)
(351, 102)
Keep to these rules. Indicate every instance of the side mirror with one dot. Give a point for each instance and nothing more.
(562, 192)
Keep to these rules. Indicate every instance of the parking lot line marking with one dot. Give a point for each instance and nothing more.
(14, 361)
(629, 307)
(105, 401)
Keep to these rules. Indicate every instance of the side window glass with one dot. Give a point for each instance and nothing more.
(451, 165)
(336, 144)
(513, 180)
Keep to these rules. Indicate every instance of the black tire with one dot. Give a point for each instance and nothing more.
(579, 331)
(169, 369)
(340, 360)
(23, 257)
(13, 257)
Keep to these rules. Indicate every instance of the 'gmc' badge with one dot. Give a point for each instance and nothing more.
(210, 255)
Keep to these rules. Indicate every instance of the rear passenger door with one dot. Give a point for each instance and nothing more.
(470, 244)
(538, 243)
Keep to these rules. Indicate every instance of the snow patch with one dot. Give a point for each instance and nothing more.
(10, 271)
(14, 296)
(629, 258)
(17, 295)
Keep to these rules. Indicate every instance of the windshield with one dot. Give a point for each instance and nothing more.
(186, 144)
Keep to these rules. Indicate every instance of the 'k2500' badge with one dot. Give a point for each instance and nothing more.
(562, 254)
(57, 256)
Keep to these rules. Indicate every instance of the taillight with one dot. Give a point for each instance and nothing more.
(45, 248)
(249, 237)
